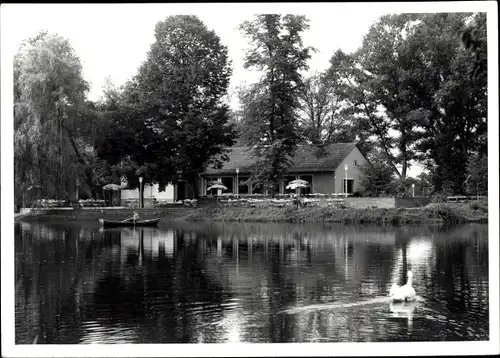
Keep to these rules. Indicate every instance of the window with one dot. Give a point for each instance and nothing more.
(243, 188)
(309, 179)
(350, 186)
(228, 183)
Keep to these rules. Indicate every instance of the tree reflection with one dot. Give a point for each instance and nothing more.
(238, 282)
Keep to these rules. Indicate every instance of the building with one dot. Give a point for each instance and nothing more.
(326, 172)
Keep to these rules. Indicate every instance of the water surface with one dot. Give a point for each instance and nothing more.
(219, 282)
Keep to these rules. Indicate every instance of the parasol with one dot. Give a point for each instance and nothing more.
(299, 181)
(113, 187)
(217, 186)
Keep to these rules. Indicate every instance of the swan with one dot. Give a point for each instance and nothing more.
(403, 293)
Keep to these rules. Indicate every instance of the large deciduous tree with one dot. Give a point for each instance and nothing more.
(473, 39)
(376, 177)
(172, 121)
(270, 106)
(50, 111)
(409, 83)
(455, 100)
(323, 117)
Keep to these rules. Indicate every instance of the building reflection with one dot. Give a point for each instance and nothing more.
(230, 283)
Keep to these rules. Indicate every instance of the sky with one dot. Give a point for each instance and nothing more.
(113, 39)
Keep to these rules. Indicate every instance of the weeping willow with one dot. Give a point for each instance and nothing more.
(50, 152)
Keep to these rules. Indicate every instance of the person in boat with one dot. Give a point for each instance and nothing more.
(135, 217)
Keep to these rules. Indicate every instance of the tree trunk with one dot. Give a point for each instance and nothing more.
(88, 173)
(141, 195)
(193, 183)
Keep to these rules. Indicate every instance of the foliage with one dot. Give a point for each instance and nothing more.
(376, 177)
(456, 124)
(477, 179)
(408, 82)
(269, 106)
(50, 112)
(170, 120)
(473, 39)
(323, 119)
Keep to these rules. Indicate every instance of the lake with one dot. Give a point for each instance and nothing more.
(241, 282)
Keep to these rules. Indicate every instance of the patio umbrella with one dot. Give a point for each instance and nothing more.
(299, 181)
(294, 186)
(113, 187)
(217, 186)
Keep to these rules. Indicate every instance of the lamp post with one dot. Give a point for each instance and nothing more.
(140, 192)
(413, 189)
(77, 188)
(237, 183)
(346, 167)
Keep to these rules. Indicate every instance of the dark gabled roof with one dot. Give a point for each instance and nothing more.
(307, 159)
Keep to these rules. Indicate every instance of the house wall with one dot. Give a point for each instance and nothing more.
(352, 172)
(324, 183)
(151, 191)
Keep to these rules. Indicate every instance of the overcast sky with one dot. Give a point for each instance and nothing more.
(113, 39)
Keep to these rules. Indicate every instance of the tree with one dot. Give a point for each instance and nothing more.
(270, 106)
(376, 177)
(425, 183)
(171, 120)
(477, 178)
(362, 105)
(456, 103)
(322, 117)
(408, 82)
(473, 39)
(49, 115)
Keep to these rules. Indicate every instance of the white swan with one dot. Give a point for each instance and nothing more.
(403, 293)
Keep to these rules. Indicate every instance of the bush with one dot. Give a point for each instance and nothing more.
(439, 198)
(480, 206)
(474, 206)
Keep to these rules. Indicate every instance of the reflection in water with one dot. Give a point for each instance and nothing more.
(248, 282)
(403, 310)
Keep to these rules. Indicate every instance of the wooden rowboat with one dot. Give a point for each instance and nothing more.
(128, 222)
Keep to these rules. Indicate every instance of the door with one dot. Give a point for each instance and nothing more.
(181, 190)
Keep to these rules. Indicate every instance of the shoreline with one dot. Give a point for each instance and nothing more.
(434, 213)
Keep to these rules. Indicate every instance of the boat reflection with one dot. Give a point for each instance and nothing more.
(225, 282)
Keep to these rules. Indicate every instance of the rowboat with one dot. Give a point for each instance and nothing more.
(114, 223)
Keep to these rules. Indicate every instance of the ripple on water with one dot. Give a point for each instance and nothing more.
(294, 284)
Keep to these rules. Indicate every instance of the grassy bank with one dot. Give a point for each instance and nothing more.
(443, 213)
(446, 213)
